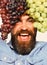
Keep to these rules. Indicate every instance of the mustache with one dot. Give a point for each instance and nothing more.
(24, 31)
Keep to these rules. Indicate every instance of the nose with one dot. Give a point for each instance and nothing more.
(24, 26)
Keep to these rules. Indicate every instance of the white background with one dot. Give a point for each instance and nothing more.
(40, 36)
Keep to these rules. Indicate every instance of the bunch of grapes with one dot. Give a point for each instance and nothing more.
(10, 10)
(38, 10)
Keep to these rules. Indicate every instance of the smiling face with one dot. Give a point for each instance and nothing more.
(23, 35)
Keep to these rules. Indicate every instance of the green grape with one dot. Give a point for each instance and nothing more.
(42, 30)
(38, 10)
(45, 4)
(34, 0)
(45, 10)
(37, 15)
(38, 25)
(33, 5)
(42, 0)
(32, 10)
(29, 1)
(38, 3)
(44, 24)
(45, 19)
(40, 19)
(41, 8)
(43, 15)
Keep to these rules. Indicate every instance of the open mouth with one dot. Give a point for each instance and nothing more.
(24, 36)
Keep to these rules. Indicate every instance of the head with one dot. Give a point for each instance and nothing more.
(20, 24)
(23, 35)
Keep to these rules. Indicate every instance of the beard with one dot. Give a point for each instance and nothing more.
(23, 47)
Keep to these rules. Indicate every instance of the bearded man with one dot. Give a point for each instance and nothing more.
(23, 49)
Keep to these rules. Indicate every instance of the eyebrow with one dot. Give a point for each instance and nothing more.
(30, 18)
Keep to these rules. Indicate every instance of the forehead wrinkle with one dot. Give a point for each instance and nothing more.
(24, 17)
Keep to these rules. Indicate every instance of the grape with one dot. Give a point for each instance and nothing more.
(41, 8)
(43, 15)
(45, 10)
(38, 25)
(45, 4)
(43, 1)
(38, 3)
(40, 18)
(10, 10)
(39, 13)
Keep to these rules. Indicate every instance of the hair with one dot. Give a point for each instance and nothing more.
(10, 10)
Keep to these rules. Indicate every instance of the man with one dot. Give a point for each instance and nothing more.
(23, 48)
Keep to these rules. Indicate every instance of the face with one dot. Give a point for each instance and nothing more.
(23, 35)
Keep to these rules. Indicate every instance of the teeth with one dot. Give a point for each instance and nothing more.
(23, 34)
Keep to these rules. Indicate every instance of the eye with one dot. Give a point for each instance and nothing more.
(17, 20)
(30, 20)
(14, 21)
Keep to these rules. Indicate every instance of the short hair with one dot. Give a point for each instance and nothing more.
(10, 10)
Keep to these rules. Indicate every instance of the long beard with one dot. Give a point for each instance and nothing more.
(23, 47)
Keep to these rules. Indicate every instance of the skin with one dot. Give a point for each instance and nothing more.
(23, 35)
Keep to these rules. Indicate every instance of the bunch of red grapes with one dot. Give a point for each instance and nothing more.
(10, 10)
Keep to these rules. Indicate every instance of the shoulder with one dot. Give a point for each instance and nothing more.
(42, 52)
(4, 46)
(6, 54)
(2, 43)
(41, 44)
(42, 48)
(39, 53)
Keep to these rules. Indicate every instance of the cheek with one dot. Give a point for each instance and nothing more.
(15, 29)
(31, 26)
(19, 26)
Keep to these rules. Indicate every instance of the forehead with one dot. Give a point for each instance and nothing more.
(24, 16)
(27, 17)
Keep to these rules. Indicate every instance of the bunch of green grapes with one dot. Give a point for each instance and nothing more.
(38, 10)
